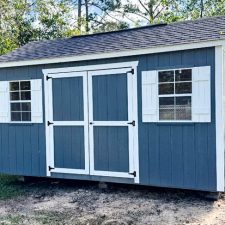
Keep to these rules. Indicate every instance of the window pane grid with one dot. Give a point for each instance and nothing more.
(175, 95)
(20, 101)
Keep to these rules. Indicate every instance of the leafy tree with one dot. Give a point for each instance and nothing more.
(104, 16)
(193, 9)
(15, 26)
(52, 19)
(151, 11)
(22, 21)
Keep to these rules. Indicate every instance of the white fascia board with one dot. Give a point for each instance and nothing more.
(117, 54)
(219, 95)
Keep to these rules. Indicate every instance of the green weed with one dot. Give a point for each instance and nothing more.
(9, 187)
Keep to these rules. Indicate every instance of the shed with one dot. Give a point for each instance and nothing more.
(140, 106)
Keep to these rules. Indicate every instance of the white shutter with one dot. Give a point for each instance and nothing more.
(4, 102)
(36, 101)
(201, 100)
(149, 96)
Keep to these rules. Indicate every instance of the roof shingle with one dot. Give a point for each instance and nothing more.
(139, 38)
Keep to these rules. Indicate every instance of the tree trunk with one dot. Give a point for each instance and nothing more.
(86, 17)
(151, 11)
(79, 15)
(202, 8)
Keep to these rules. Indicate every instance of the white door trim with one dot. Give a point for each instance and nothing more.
(65, 70)
(132, 115)
(80, 71)
(50, 129)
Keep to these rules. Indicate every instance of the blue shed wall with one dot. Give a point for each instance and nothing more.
(181, 155)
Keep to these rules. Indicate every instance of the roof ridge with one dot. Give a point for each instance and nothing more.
(150, 26)
(122, 30)
(198, 19)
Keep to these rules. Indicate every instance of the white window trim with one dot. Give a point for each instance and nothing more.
(19, 101)
(174, 95)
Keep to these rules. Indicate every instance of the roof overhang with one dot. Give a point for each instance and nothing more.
(152, 50)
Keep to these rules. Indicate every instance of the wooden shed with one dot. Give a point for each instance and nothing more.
(141, 106)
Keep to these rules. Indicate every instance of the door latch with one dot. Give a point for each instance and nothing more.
(134, 174)
(50, 123)
(132, 123)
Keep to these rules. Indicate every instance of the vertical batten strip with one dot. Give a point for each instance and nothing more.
(219, 73)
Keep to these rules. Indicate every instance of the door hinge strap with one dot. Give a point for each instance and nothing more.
(50, 168)
(131, 71)
(132, 123)
(134, 174)
(47, 77)
(50, 123)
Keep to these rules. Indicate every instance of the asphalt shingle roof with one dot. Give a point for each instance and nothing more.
(139, 38)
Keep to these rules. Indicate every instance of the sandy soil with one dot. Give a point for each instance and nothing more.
(83, 203)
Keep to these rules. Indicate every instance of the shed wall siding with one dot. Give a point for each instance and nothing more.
(181, 155)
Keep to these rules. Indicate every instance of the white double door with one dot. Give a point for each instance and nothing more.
(91, 123)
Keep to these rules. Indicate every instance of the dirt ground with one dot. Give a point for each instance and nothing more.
(84, 203)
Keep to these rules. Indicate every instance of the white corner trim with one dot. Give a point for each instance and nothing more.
(131, 64)
(219, 73)
(116, 54)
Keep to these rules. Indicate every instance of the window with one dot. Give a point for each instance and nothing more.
(175, 94)
(20, 100)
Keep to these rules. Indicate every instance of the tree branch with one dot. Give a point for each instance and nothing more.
(144, 6)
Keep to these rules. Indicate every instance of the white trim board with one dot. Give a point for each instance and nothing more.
(87, 72)
(116, 54)
(219, 73)
(63, 72)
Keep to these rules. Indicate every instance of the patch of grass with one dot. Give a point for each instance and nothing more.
(51, 218)
(9, 187)
(10, 220)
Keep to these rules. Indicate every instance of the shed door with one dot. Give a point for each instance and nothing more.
(111, 123)
(67, 125)
(91, 123)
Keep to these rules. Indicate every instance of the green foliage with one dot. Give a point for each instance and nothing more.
(111, 26)
(52, 18)
(194, 9)
(153, 11)
(9, 187)
(22, 21)
(10, 220)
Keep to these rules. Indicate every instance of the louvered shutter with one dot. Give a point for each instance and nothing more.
(149, 96)
(201, 100)
(36, 101)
